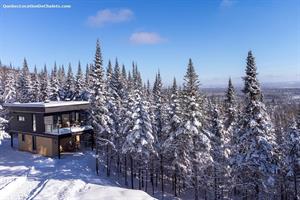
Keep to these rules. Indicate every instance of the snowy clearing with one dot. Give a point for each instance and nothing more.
(29, 176)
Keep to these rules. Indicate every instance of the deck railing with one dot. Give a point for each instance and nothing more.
(58, 129)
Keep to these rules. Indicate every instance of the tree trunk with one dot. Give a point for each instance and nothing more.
(118, 166)
(257, 191)
(162, 175)
(125, 171)
(175, 184)
(156, 179)
(146, 185)
(131, 168)
(179, 188)
(215, 183)
(152, 177)
(140, 179)
(97, 166)
(107, 162)
(295, 185)
(196, 187)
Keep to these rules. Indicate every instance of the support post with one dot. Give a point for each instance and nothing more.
(11, 140)
(58, 147)
(92, 135)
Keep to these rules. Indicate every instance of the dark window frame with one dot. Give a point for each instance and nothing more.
(23, 137)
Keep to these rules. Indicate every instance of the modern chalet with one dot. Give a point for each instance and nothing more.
(49, 128)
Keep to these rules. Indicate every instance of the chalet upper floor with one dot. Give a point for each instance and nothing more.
(57, 117)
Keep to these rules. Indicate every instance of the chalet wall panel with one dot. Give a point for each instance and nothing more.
(44, 146)
(27, 144)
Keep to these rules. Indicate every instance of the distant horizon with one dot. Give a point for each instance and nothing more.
(216, 34)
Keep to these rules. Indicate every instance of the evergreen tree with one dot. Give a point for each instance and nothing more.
(24, 90)
(69, 84)
(220, 153)
(45, 86)
(9, 94)
(35, 86)
(291, 155)
(198, 141)
(109, 72)
(98, 112)
(175, 148)
(79, 84)
(255, 161)
(87, 77)
(54, 85)
(230, 106)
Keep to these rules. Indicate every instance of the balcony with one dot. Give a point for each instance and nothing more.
(58, 130)
(65, 123)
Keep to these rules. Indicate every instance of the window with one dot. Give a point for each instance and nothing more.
(77, 117)
(21, 118)
(33, 123)
(23, 138)
(33, 143)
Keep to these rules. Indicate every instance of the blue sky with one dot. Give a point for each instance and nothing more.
(159, 35)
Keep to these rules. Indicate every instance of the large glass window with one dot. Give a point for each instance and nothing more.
(48, 123)
(33, 122)
(66, 120)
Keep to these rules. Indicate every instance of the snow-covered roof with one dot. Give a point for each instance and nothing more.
(47, 104)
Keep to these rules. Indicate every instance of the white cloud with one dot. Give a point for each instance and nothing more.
(226, 3)
(108, 16)
(146, 38)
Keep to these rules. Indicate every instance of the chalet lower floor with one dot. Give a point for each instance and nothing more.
(53, 145)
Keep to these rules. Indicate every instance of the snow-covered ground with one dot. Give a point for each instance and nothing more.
(29, 176)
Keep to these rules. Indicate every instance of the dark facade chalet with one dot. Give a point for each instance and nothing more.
(49, 128)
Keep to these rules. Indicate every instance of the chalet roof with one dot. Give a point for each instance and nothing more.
(47, 107)
(47, 104)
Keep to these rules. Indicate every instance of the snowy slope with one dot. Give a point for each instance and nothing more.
(28, 176)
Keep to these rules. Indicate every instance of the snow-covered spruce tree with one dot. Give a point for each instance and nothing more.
(175, 147)
(44, 84)
(255, 159)
(158, 118)
(24, 90)
(98, 111)
(230, 106)
(61, 75)
(220, 153)
(126, 124)
(119, 95)
(87, 77)
(113, 103)
(35, 84)
(124, 77)
(197, 140)
(79, 84)
(139, 143)
(9, 93)
(109, 73)
(157, 107)
(68, 87)
(291, 158)
(54, 85)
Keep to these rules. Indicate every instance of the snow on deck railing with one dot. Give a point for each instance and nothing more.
(66, 130)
